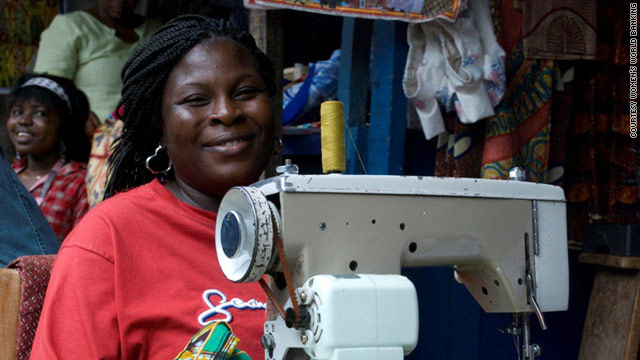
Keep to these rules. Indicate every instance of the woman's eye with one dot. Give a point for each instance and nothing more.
(246, 93)
(196, 100)
(16, 112)
(41, 114)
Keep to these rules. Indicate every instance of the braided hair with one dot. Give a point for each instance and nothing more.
(144, 77)
(73, 115)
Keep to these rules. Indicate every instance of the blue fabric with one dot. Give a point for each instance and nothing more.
(23, 228)
(293, 104)
(301, 101)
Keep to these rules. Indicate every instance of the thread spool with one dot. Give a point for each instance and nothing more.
(332, 136)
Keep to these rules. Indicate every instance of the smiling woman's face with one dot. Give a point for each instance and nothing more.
(33, 128)
(218, 124)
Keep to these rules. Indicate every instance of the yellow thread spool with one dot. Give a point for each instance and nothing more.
(332, 136)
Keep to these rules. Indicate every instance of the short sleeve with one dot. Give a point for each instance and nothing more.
(58, 51)
(79, 313)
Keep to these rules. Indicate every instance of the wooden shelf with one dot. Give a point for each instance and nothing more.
(614, 261)
(612, 325)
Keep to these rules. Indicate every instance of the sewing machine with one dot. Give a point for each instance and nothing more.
(346, 237)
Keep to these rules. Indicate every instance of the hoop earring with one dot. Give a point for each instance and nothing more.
(151, 158)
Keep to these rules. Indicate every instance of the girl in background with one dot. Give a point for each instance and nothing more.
(46, 126)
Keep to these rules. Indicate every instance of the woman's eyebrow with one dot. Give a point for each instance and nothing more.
(193, 83)
(239, 78)
(247, 75)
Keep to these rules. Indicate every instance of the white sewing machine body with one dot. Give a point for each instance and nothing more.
(495, 233)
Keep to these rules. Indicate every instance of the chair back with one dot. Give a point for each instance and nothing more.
(26, 282)
(9, 310)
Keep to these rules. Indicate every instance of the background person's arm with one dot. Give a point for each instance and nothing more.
(23, 228)
(58, 49)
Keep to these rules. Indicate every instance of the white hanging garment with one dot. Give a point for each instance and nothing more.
(424, 62)
(462, 66)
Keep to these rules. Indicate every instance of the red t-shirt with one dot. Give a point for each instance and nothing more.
(137, 278)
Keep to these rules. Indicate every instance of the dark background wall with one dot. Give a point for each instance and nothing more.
(310, 37)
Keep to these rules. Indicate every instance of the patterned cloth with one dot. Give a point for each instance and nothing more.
(214, 341)
(20, 28)
(459, 151)
(613, 32)
(560, 29)
(403, 10)
(519, 133)
(101, 148)
(566, 122)
(593, 158)
(34, 277)
(65, 202)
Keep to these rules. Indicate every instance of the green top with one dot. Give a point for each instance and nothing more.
(79, 47)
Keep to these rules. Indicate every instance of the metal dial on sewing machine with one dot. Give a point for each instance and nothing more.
(244, 234)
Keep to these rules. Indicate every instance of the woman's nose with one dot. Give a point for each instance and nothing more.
(25, 119)
(225, 111)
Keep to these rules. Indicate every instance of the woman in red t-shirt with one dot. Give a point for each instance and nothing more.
(138, 277)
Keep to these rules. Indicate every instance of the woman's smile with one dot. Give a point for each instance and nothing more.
(24, 137)
(231, 144)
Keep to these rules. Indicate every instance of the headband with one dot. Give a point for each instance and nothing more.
(49, 85)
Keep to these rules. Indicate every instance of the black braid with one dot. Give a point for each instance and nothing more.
(144, 76)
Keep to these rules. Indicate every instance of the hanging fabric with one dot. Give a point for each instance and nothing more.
(559, 29)
(460, 65)
(23, 21)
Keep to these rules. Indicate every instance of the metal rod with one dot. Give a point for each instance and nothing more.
(526, 336)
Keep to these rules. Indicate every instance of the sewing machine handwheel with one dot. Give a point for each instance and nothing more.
(231, 235)
(244, 234)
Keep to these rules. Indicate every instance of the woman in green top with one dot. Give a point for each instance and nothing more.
(90, 47)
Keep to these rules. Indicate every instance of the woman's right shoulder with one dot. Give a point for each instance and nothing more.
(103, 224)
(124, 203)
(78, 20)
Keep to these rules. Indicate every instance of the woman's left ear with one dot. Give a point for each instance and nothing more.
(278, 146)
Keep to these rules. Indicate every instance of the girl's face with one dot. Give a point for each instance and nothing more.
(218, 122)
(33, 128)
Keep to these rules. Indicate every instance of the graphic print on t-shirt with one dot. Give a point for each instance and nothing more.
(218, 304)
